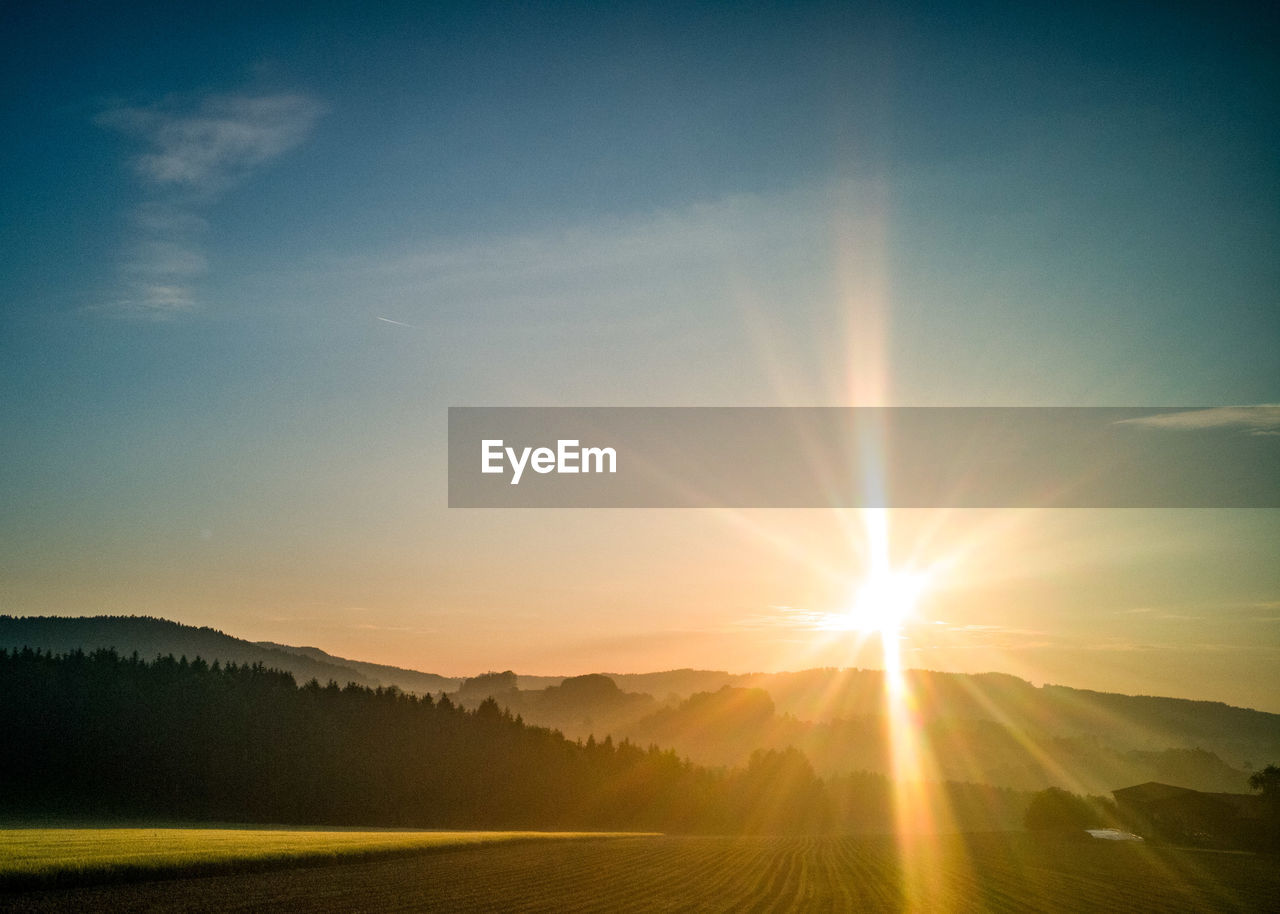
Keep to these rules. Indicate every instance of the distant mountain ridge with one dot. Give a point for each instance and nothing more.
(151, 637)
(1028, 736)
(378, 673)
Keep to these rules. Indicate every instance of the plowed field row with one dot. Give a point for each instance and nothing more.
(998, 873)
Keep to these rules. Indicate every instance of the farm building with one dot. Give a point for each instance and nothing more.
(1193, 816)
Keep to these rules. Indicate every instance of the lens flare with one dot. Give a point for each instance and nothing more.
(885, 601)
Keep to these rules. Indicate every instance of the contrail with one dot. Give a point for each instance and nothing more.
(397, 323)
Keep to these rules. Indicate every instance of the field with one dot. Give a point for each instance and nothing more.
(32, 857)
(990, 873)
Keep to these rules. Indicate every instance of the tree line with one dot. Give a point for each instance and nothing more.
(102, 735)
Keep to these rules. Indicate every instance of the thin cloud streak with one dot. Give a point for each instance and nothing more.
(195, 154)
(1263, 419)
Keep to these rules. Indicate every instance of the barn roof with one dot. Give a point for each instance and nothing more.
(1152, 792)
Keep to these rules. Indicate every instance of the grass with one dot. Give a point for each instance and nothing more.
(32, 857)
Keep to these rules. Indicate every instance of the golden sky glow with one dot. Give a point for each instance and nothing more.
(246, 293)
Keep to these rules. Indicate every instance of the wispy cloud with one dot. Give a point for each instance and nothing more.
(195, 151)
(221, 142)
(1255, 420)
(165, 258)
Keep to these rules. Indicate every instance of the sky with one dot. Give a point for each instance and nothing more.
(253, 252)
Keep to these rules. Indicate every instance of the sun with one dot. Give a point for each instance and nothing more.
(885, 600)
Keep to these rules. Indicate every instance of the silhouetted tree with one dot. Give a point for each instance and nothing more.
(1055, 809)
(1267, 780)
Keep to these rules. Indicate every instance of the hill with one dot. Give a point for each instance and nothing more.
(1242, 736)
(377, 673)
(986, 728)
(727, 726)
(103, 735)
(150, 638)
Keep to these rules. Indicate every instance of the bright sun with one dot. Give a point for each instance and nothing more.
(885, 600)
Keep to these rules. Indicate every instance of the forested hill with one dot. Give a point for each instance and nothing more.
(835, 700)
(98, 734)
(377, 673)
(151, 638)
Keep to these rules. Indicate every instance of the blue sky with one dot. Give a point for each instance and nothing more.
(253, 252)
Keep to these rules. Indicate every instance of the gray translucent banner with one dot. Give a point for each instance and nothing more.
(864, 457)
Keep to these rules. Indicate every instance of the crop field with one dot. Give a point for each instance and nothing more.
(995, 873)
(58, 856)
